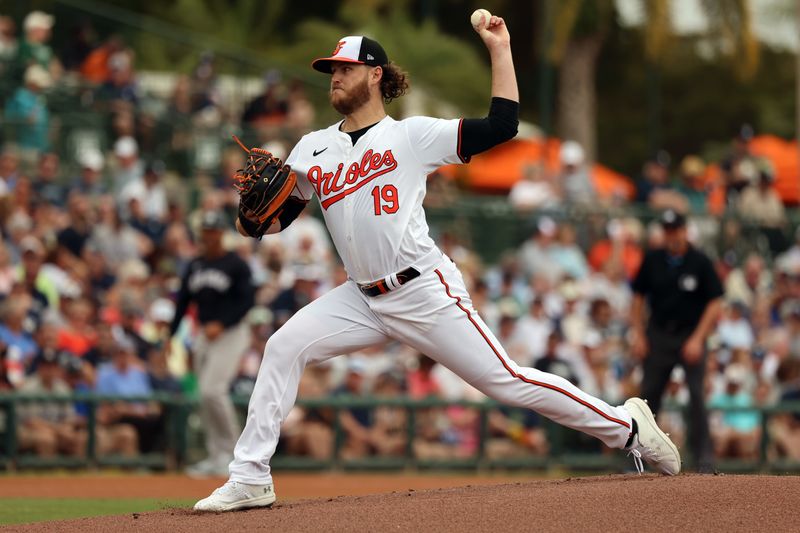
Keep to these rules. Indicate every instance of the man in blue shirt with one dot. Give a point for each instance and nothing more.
(125, 377)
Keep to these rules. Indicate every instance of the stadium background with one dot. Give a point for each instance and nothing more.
(658, 107)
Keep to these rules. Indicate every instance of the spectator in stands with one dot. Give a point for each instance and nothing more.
(692, 185)
(8, 43)
(22, 348)
(9, 170)
(554, 361)
(761, 205)
(303, 291)
(356, 421)
(533, 190)
(537, 253)
(569, 255)
(738, 433)
(34, 48)
(77, 335)
(124, 377)
(740, 167)
(96, 68)
(116, 240)
(79, 45)
(749, 282)
(90, 181)
(300, 115)
(8, 271)
(161, 380)
(785, 428)
(789, 261)
(129, 167)
(270, 108)
(47, 189)
(655, 177)
(621, 248)
(6, 368)
(308, 431)
(574, 177)
(205, 98)
(49, 428)
(120, 91)
(306, 241)
(389, 423)
(734, 330)
(27, 111)
(76, 234)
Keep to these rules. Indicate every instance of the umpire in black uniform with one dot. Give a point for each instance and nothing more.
(684, 295)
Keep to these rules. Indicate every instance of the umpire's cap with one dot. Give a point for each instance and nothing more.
(353, 49)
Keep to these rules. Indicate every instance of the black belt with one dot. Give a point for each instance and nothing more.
(382, 286)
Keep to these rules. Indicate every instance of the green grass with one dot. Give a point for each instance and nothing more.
(22, 510)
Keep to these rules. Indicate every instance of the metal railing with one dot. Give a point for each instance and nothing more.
(177, 452)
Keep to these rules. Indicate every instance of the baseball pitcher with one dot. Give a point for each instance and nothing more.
(368, 172)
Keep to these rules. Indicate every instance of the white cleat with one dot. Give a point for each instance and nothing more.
(650, 443)
(234, 495)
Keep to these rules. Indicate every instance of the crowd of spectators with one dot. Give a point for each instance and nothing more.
(93, 251)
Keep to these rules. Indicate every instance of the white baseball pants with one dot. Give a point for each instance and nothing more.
(434, 315)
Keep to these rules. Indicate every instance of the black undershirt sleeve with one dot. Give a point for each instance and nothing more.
(291, 210)
(480, 134)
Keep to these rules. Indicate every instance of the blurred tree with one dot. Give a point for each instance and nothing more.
(580, 28)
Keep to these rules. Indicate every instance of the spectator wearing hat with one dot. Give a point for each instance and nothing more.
(218, 282)
(34, 47)
(148, 190)
(48, 428)
(577, 184)
(90, 180)
(683, 292)
(536, 255)
(26, 110)
(761, 205)
(128, 166)
(692, 185)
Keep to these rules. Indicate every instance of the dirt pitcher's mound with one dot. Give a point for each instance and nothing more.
(611, 503)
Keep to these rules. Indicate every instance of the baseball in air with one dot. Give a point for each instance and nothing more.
(480, 18)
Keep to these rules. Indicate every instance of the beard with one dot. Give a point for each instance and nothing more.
(347, 102)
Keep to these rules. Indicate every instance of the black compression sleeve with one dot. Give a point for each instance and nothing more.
(480, 134)
(291, 209)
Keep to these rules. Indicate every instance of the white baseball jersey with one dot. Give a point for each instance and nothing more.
(371, 193)
(371, 197)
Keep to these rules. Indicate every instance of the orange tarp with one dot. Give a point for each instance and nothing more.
(785, 161)
(502, 166)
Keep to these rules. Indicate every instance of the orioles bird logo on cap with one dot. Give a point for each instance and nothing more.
(338, 47)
